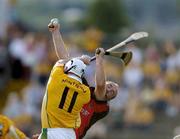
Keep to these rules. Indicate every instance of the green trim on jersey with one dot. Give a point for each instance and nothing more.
(44, 133)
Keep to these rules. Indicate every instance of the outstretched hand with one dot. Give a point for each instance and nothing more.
(54, 25)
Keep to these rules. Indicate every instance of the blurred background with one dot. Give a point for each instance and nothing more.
(148, 102)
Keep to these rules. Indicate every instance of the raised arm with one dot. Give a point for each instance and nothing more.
(59, 45)
(100, 77)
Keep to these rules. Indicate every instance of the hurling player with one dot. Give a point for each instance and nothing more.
(66, 94)
(97, 108)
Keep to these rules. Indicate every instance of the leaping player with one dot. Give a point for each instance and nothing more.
(97, 108)
(66, 94)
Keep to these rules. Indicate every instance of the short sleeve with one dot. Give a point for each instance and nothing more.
(58, 69)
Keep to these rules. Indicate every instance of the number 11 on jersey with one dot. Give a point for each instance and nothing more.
(63, 99)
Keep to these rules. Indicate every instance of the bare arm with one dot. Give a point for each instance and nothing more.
(59, 45)
(100, 77)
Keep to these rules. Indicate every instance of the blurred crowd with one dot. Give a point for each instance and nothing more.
(149, 85)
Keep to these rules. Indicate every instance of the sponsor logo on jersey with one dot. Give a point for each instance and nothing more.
(85, 112)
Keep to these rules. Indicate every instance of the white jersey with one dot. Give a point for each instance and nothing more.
(90, 73)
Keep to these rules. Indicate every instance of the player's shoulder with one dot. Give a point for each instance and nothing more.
(93, 97)
(58, 68)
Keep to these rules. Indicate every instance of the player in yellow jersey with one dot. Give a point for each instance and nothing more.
(66, 94)
(8, 130)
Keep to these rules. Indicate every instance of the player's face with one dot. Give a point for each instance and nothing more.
(111, 90)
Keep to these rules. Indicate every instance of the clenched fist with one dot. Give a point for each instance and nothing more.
(100, 52)
(54, 25)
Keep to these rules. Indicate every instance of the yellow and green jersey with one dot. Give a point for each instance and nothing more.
(63, 100)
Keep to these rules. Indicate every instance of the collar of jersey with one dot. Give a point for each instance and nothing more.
(75, 77)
